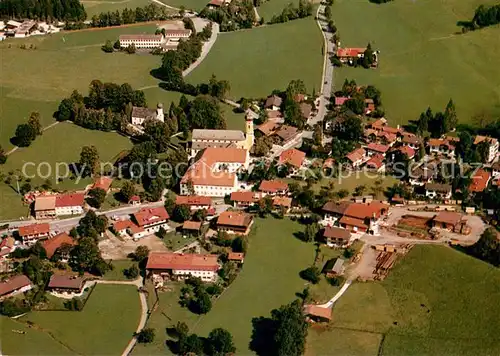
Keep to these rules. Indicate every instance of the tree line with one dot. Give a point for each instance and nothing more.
(151, 12)
(484, 16)
(26, 133)
(439, 123)
(48, 10)
(290, 12)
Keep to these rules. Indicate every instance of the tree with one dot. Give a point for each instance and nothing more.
(96, 198)
(92, 225)
(181, 329)
(239, 244)
(3, 155)
(205, 113)
(89, 159)
(34, 122)
(465, 147)
(220, 342)
(86, 257)
(117, 45)
(201, 304)
(359, 190)
(487, 248)
(132, 272)
(145, 336)
(130, 49)
(181, 213)
(310, 232)
(108, 47)
(311, 274)
(450, 117)
(191, 345)
(13, 306)
(127, 191)
(25, 135)
(483, 151)
(141, 253)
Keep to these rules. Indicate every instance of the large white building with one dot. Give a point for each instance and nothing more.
(214, 173)
(140, 114)
(51, 206)
(142, 41)
(204, 138)
(166, 265)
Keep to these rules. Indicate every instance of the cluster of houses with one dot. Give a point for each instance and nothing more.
(167, 41)
(351, 55)
(26, 28)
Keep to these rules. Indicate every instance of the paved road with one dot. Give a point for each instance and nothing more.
(327, 78)
(207, 46)
(339, 294)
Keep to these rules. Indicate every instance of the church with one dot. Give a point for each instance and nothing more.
(205, 138)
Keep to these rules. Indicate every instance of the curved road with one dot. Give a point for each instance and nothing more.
(207, 46)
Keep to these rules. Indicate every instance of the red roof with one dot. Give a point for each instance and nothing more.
(235, 256)
(66, 282)
(407, 150)
(479, 181)
(193, 200)
(180, 261)
(376, 162)
(34, 229)
(337, 233)
(134, 229)
(356, 155)
(363, 211)
(13, 283)
(103, 183)
(377, 147)
(352, 222)
(149, 216)
(349, 52)
(293, 157)
(51, 245)
(243, 197)
(71, 199)
(318, 311)
(122, 225)
(273, 186)
(340, 100)
(235, 218)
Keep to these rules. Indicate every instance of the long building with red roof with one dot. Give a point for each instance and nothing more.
(152, 219)
(34, 232)
(166, 265)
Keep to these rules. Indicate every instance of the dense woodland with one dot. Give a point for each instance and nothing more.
(290, 12)
(237, 15)
(484, 16)
(48, 10)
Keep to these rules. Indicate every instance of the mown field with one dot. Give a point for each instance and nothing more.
(195, 5)
(259, 60)
(269, 279)
(95, 7)
(104, 327)
(422, 60)
(435, 301)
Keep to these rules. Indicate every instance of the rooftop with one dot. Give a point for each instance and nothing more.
(356, 155)
(235, 218)
(336, 208)
(318, 311)
(66, 282)
(47, 202)
(273, 100)
(180, 261)
(227, 135)
(293, 157)
(51, 245)
(70, 199)
(34, 229)
(479, 181)
(336, 233)
(448, 217)
(147, 216)
(192, 200)
(243, 197)
(191, 225)
(273, 186)
(11, 284)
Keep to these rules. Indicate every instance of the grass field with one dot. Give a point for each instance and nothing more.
(196, 5)
(420, 309)
(270, 8)
(259, 60)
(270, 278)
(422, 62)
(104, 327)
(28, 85)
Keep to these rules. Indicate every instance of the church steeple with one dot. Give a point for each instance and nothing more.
(250, 138)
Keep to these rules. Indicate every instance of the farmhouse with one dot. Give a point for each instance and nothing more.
(273, 103)
(137, 232)
(292, 157)
(376, 163)
(213, 4)
(58, 242)
(195, 202)
(214, 173)
(349, 55)
(376, 149)
(273, 187)
(243, 199)
(449, 221)
(14, 285)
(336, 236)
(34, 232)
(412, 141)
(333, 211)
(162, 266)
(191, 228)
(45, 207)
(70, 204)
(284, 135)
(103, 183)
(151, 219)
(235, 222)
(357, 157)
(121, 227)
(334, 267)
(205, 138)
(441, 146)
(66, 285)
(142, 41)
(306, 110)
(436, 190)
(140, 114)
(359, 217)
(479, 181)
(281, 202)
(316, 313)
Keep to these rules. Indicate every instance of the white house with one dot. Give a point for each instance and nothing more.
(167, 265)
(30, 234)
(70, 204)
(214, 174)
(140, 114)
(150, 220)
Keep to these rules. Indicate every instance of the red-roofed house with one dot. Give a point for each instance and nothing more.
(347, 55)
(479, 181)
(121, 227)
(360, 217)
(194, 202)
(292, 157)
(376, 148)
(14, 285)
(103, 183)
(235, 222)
(244, 199)
(70, 204)
(167, 265)
(152, 219)
(441, 146)
(357, 157)
(336, 236)
(273, 187)
(376, 163)
(58, 242)
(34, 232)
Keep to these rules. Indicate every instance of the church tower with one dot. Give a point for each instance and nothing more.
(159, 112)
(250, 138)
